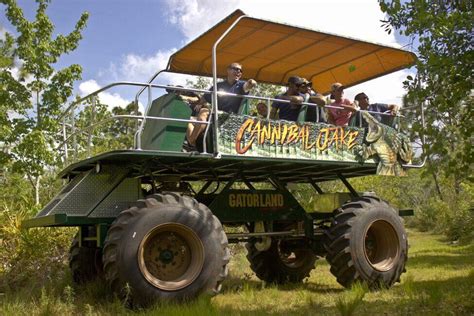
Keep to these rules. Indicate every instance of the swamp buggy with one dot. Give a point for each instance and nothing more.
(151, 217)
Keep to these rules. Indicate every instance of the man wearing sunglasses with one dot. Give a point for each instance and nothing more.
(289, 111)
(234, 85)
(229, 104)
(363, 102)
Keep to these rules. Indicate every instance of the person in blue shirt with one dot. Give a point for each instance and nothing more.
(229, 104)
(363, 102)
(289, 111)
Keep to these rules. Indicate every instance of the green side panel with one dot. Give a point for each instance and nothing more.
(328, 202)
(87, 190)
(256, 205)
(85, 193)
(121, 198)
(166, 135)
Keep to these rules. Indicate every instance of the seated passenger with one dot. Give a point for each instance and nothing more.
(363, 101)
(289, 111)
(229, 104)
(340, 116)
(312, 96)
(262, 110)
(190, 97)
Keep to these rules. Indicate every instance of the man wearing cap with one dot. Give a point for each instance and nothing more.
(340, 111)
(225, 103)
(289, 111)
(363, 101)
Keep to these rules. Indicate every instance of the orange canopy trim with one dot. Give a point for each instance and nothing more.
(270, 52)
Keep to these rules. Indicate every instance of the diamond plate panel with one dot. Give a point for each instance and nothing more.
(89, 191)
(120, 199)
(61, 194)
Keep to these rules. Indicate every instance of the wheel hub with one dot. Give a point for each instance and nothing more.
(166, 256)
(381, 245)
(171, 256)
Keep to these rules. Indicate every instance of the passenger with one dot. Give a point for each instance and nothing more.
(289, 111)
(229, 104)
(262, 109)
(363, 101)
(340, 116)
(311, 96)
(190, 97)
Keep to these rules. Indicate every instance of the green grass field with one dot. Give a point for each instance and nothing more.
(439, 281)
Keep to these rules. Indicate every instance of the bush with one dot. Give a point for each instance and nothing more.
(34, 254)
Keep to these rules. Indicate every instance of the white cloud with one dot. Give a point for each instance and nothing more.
(110, 99)
(3, 30)
(360, 19)
(141, 68)
(194, 17)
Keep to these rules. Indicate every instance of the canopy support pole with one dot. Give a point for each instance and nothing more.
(214, 93)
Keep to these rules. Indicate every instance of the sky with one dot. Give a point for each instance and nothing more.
(130, 40)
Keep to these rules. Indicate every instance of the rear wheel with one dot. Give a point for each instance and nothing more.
(282, 263)
(166, 247)
(368, 243)
(85, 262)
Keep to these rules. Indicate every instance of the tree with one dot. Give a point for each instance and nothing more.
(35, 97)
(442, 34)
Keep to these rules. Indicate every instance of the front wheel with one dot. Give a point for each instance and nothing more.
(167, 247)
(368, 243)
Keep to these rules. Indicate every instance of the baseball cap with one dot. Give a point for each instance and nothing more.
(295, 80)
(336, 86)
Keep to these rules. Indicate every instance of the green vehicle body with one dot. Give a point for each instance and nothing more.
(100, 187)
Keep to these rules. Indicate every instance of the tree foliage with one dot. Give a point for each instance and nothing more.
(32, 90)
(442, 32)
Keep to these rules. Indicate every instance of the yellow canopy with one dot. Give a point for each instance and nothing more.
(271, 52)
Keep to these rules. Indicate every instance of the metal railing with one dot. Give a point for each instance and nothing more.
(211, 122)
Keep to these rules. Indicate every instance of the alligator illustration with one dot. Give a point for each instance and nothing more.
(387, 146)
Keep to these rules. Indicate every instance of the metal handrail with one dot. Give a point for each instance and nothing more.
(125, 83)
(149, 82)
(137, 138)
(138, 117)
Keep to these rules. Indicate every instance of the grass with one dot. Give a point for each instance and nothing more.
(439, 281)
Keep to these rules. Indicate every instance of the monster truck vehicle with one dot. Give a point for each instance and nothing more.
(158, 221)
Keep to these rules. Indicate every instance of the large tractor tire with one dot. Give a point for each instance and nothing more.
(167, 247)
(368, 244)
(85, 262)
(281, 263)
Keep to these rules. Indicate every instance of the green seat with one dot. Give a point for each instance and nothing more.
(302, 113)
(244, 108)
(166, 135)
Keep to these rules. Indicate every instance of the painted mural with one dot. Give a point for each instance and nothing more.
(257, 137)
